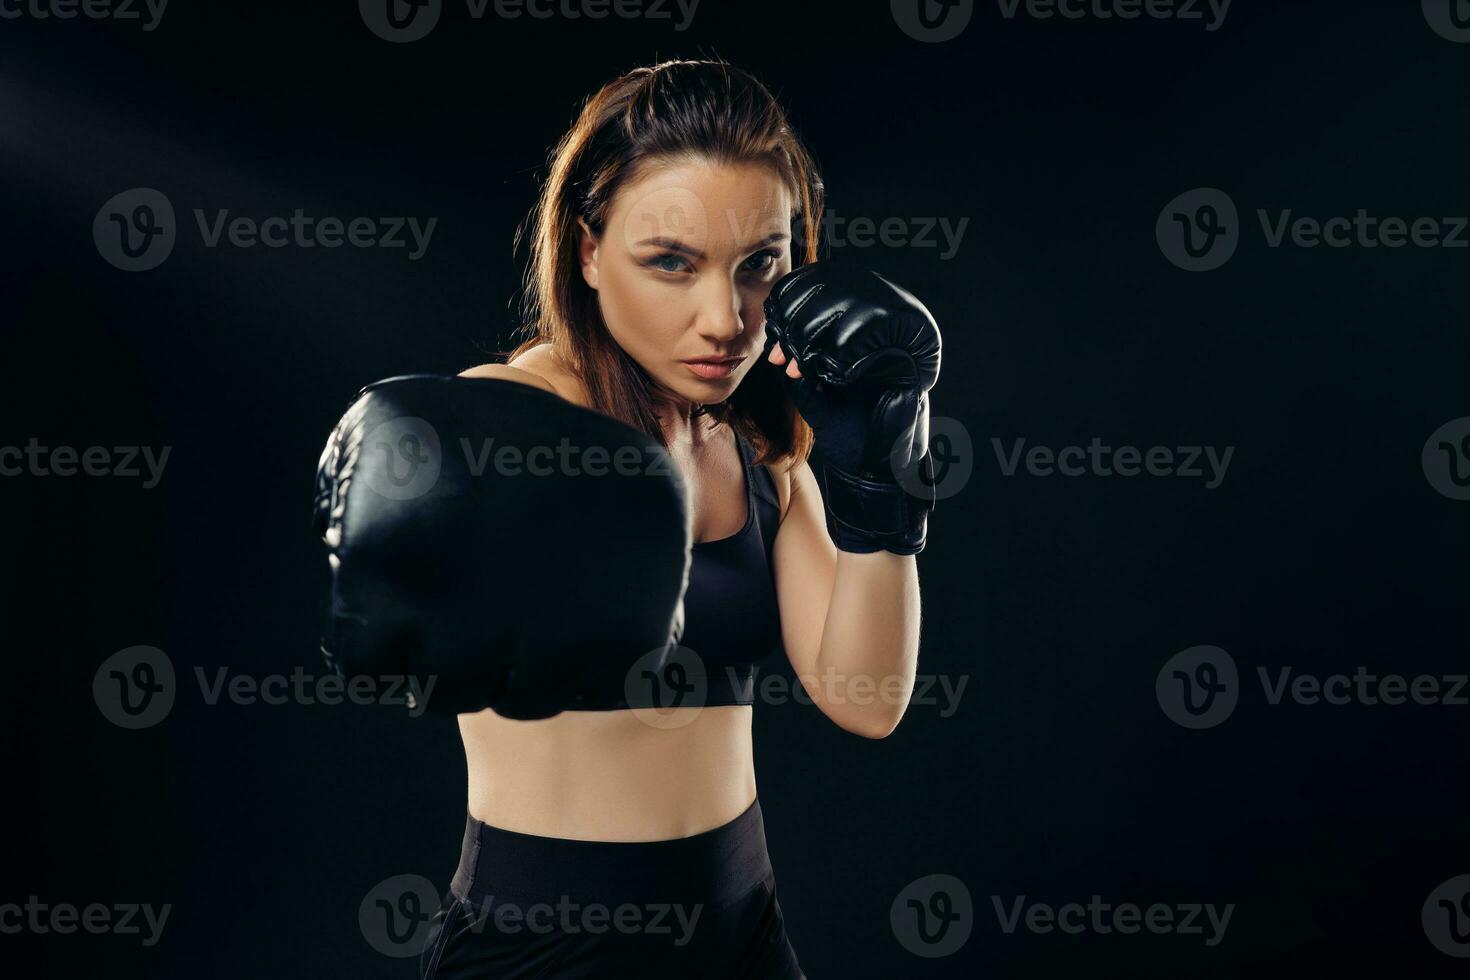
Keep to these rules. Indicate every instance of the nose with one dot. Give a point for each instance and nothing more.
(719, 319)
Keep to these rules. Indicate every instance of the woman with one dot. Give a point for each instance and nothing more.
(671, 209)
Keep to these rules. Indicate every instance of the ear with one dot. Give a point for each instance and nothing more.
(587, 253)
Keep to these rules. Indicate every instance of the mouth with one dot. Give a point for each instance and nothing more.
(713, 368)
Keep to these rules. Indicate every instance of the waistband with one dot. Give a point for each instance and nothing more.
(713, 868)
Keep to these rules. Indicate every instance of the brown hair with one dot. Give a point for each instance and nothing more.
(650, 115)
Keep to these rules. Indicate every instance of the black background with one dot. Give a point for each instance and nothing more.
(1059, 599)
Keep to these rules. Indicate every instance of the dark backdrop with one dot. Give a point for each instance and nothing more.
(1328, 547)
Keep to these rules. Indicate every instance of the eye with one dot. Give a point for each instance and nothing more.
(762, 261)
(667, 262)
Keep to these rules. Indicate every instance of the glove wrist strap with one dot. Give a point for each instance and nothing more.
(866, 515)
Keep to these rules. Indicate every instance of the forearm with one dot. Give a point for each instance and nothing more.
(870, 643)
(863, 389)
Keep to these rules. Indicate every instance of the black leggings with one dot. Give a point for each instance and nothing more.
(527, 906)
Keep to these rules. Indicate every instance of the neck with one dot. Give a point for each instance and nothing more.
(684, 422)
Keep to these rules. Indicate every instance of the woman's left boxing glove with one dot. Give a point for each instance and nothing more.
(869, 353)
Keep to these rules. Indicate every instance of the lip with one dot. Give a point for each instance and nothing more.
(713, 368)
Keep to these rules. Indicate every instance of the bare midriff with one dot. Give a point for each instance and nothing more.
(611, 775)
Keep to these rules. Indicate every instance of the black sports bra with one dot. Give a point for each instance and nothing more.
(731, 617)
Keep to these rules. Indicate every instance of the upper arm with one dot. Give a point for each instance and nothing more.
(805, 568)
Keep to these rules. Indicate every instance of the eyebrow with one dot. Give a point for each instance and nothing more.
(674, 245)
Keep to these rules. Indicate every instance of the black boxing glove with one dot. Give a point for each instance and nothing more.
(518, 549)
(869, 353)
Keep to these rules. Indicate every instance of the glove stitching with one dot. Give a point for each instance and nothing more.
(802, 302)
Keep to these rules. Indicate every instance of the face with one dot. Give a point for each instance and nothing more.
(685, 261)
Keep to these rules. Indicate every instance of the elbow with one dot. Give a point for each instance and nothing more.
(872, 725)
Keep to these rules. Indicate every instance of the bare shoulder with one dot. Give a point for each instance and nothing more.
(504, 372)
(538, 367)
